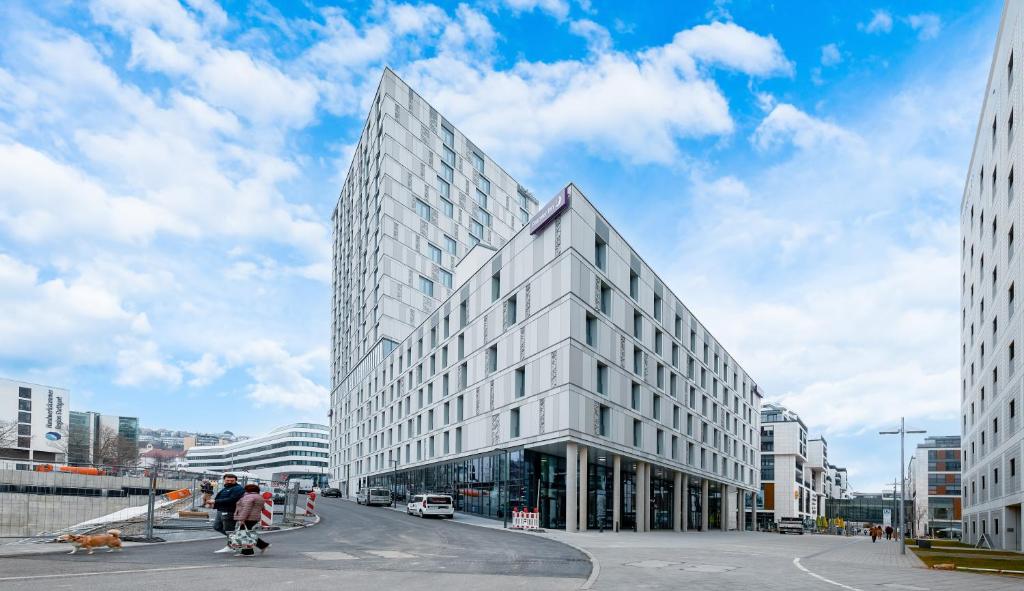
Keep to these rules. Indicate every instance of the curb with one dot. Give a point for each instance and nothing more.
(42, 552)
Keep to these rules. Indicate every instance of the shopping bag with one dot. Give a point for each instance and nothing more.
(242, 538)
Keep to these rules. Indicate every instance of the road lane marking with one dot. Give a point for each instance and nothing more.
(796, 561)
(390, 554)
(330, 556)
(110, 572)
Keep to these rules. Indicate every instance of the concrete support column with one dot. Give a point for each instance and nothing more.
(685, 506)
(647, 497)
(741, 513)
(584, 483)
(753, 512)
(638, 497)
(571, 456)
(704, 505)
(723, 507)
(616, 491)
(677, 504)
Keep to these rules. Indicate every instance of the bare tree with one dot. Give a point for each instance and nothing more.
(8, 434)
(115, 450)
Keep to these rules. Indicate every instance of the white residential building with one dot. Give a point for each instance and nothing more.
(990, 217)
(785, 475)
(516, 357)
(33, 423)
(298, 450)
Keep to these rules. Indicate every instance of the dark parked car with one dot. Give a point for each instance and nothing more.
(331, 492)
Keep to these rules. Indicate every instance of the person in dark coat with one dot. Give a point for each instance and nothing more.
(224, 503)
(888, 532)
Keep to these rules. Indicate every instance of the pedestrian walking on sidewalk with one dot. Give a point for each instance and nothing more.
(225, 502)
(247, 512)
(874, 533)
(888, 532)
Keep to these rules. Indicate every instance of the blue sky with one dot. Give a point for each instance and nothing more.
(168, 171)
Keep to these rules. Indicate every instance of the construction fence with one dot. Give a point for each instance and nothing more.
(44, 501)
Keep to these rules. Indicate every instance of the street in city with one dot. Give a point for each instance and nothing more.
(374, 548)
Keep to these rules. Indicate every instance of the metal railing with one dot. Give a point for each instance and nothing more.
(41, 501)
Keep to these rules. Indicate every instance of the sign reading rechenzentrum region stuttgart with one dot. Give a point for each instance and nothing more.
(550, 211)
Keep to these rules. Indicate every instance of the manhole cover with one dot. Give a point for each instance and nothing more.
(651, 564)
(707, 568)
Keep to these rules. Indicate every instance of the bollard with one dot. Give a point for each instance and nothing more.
(267, 515)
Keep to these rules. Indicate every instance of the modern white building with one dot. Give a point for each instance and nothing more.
(817, 474)
(519, 358)
(298, 450)
(33, 423)
(934, 487)
(786, 483)
(991, 393)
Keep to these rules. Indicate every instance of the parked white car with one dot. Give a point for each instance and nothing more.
(430, 504)
(373, 496)
(791, 525)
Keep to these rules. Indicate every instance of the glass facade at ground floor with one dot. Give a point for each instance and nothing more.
(492, 485)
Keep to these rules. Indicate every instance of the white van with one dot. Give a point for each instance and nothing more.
(431, 504)
(373, 496)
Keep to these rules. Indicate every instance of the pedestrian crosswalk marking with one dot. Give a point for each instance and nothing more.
(330, 556)
(390, 554)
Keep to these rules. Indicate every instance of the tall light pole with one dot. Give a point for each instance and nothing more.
(902, 432)
(394, 482)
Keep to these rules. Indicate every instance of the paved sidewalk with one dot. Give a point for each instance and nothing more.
(755, 560)
(10, 550)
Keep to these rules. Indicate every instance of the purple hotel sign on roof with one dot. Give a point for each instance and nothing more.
(550, 211)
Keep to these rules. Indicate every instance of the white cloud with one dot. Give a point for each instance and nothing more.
(787, 124)
(204, 370)
(280, 377)
(830, 55)
(142, 363)
(619, 105)
(598, 38)
(730, 46)
(556, 8)
(60, 321)
(881, 22)
(927, 25)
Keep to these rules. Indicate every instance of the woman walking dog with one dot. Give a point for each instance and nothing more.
(247, 514)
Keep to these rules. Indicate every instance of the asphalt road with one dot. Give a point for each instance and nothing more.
(353, 548)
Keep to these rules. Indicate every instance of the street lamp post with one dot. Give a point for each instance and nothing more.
(394, 482)
(902, 432)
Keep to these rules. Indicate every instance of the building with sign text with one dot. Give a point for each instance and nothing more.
(33, 423)
(553, 368)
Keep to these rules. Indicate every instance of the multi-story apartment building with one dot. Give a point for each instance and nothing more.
(934, 487)
(990, 389)
(786, 489)
(418, 195)
(840, 483)
(298, 450)
(519, 358)
(33, 423)
(817, 467)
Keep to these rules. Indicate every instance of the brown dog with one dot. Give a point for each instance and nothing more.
(111, 539)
